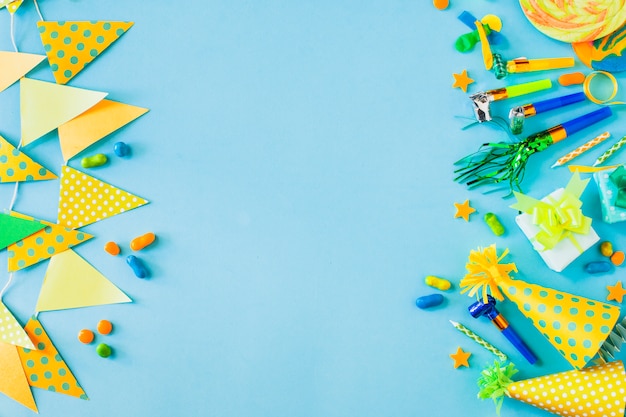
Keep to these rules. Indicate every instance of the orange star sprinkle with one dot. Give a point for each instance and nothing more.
(460, 358)
(462, 80)
(616, 292)
(463, 210)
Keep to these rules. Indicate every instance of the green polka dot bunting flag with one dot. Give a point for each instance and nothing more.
(44, 367)
(15, 166)
(71, 46)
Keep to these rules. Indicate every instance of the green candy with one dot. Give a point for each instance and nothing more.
(94, 161)
(104, 350)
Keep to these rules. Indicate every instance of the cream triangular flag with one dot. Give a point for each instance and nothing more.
(84, 199)
(13, 382)
(11, 331)
(71, 282)
(16, 166)
(72, 45)
(15, 65)
(45, 368)
(94, 124)
(45, 106)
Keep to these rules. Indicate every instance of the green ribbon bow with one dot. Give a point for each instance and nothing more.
(558, 218)
(618, 177)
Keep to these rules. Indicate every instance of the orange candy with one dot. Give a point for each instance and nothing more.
(618, 258)
(441, 4)
(86, 336)
(112, 248)
(104, 327)
(142, 241)
(573, 78)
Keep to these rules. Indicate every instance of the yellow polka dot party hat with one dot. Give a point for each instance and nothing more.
(595, 391)
(576, 326)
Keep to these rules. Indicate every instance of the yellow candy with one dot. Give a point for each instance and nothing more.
(436, 282)
(142, 241)
(606, 249)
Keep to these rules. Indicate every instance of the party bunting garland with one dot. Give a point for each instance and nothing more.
(28, 358)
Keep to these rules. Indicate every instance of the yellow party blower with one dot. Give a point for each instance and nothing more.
(530, 65)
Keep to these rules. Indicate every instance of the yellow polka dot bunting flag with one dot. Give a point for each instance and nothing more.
(94, 124)
(70, 46)
(14, 383)
(11, 331)
(39, 246)
(576, 326)
(15, 65)
(71, 282)
(45, 106)
(15, 166)
(13, 229)
(595, 391)
(44, 367)
(84, 199)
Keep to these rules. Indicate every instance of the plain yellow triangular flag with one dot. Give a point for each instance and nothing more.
(97, 122)
(84, 199)
(45, 106)
(70, 46)
(71, 282)
(44, 367)
(15, 65)
(13, 382)
(16, 166)
(11, 331)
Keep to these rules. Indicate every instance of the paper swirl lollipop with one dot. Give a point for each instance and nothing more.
(575, 20)
(576, 326)
(594, 391)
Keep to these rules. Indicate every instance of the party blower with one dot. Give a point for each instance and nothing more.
(497, 162)
(519, 114)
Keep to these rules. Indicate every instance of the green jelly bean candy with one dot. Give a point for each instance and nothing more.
(94, 160)
(494, 224)
(104, 350)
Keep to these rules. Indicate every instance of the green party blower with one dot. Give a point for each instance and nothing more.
(497, 162)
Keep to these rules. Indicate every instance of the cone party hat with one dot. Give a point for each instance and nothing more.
(594, 391)
(576, 326)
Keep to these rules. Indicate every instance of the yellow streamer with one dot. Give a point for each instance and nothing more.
(591, 97)
(587, 170)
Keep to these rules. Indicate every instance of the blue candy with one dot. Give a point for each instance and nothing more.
(428, 301)
(121, 149)
(137, 266)
(598, 267)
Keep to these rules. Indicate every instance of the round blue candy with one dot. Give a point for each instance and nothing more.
(121, 149)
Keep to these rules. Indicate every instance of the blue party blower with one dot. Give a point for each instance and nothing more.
(488, 309)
